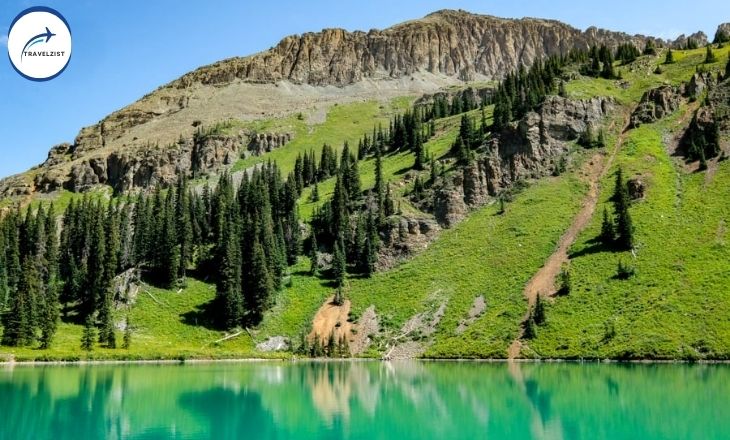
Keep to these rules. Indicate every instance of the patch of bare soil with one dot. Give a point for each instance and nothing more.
(543, 282)
(477, 309)
(330, 320)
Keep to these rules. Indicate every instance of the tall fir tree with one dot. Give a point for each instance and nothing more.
(624, 225)
(49, 320)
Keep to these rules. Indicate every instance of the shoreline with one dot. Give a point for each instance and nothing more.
(93, 362)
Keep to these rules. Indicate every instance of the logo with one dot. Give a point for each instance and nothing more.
(39, 43)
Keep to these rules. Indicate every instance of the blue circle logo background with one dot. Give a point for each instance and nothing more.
(39, 43)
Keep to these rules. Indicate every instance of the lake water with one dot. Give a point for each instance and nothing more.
(365, 400)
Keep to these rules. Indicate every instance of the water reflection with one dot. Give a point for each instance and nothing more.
(359, 400)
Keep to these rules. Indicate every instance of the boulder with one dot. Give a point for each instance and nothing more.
(656, 104)
(636, 189)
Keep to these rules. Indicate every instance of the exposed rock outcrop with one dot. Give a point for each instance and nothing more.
(656, 104)
(454, 43)
(698, 84)
(527, 149)
(722, 34)
(150, 165)
(403, 237)
(264, 142)
(699, 38)
(450, 45)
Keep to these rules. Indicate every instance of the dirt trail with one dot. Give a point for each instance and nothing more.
(543, 282)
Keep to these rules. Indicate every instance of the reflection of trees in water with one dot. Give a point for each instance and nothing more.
(31, 410)
(231, 414)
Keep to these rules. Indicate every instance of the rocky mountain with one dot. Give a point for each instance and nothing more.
(153, 139)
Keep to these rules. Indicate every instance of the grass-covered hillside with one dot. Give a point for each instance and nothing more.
(464, 295)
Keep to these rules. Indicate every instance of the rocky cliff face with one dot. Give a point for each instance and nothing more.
(699, 38)
(454, 43)
(530, 148)
(151, 165)
(450, 46)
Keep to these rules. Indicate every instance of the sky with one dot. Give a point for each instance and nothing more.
(125, 49)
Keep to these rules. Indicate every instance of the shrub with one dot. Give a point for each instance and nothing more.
(625, 270)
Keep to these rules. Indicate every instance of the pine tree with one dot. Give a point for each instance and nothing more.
(313, 255)
(127, 341)
(565, 280)
(18, 322)
(48, 320)
(339, 264)
(369, 251)
(529, 327)
(434, 173)
(230, 298)
(183, 228)
(670, 57)
(650, 48)
(314, 196)
(539, 311)
(262, 288)
(608, 231)
(378, 188)
(88, 336)
(624, 226)
(710, 56)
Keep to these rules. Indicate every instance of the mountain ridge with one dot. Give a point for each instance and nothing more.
(311, 71)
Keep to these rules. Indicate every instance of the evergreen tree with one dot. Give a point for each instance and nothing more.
(49, 319)
(710, 56)
(624, 226)
(539, 311)
(314, 196)
(230, 298)
(262, 286)
(313, 255)
(88, 336)
(529, 327)
(127, 341)
(434, 173)
(18, 322)
(338, 265)
(184, 228)
(608, 232)
(670, 57)
(650, 48)
(565, 280)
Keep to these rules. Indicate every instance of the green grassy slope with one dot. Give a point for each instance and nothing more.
(677, 305)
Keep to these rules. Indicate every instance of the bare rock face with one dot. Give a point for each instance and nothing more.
(151, 165)
(700, 38)
(402, 237)
(455, 45)
(527, 149)
(699, 83)
(656, 104)
(452, 43)
(265, 142)
(722, 35)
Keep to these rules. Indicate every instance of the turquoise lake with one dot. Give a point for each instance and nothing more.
(365, 400)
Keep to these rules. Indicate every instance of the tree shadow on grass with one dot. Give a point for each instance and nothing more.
(202, 316)
(595, 246)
